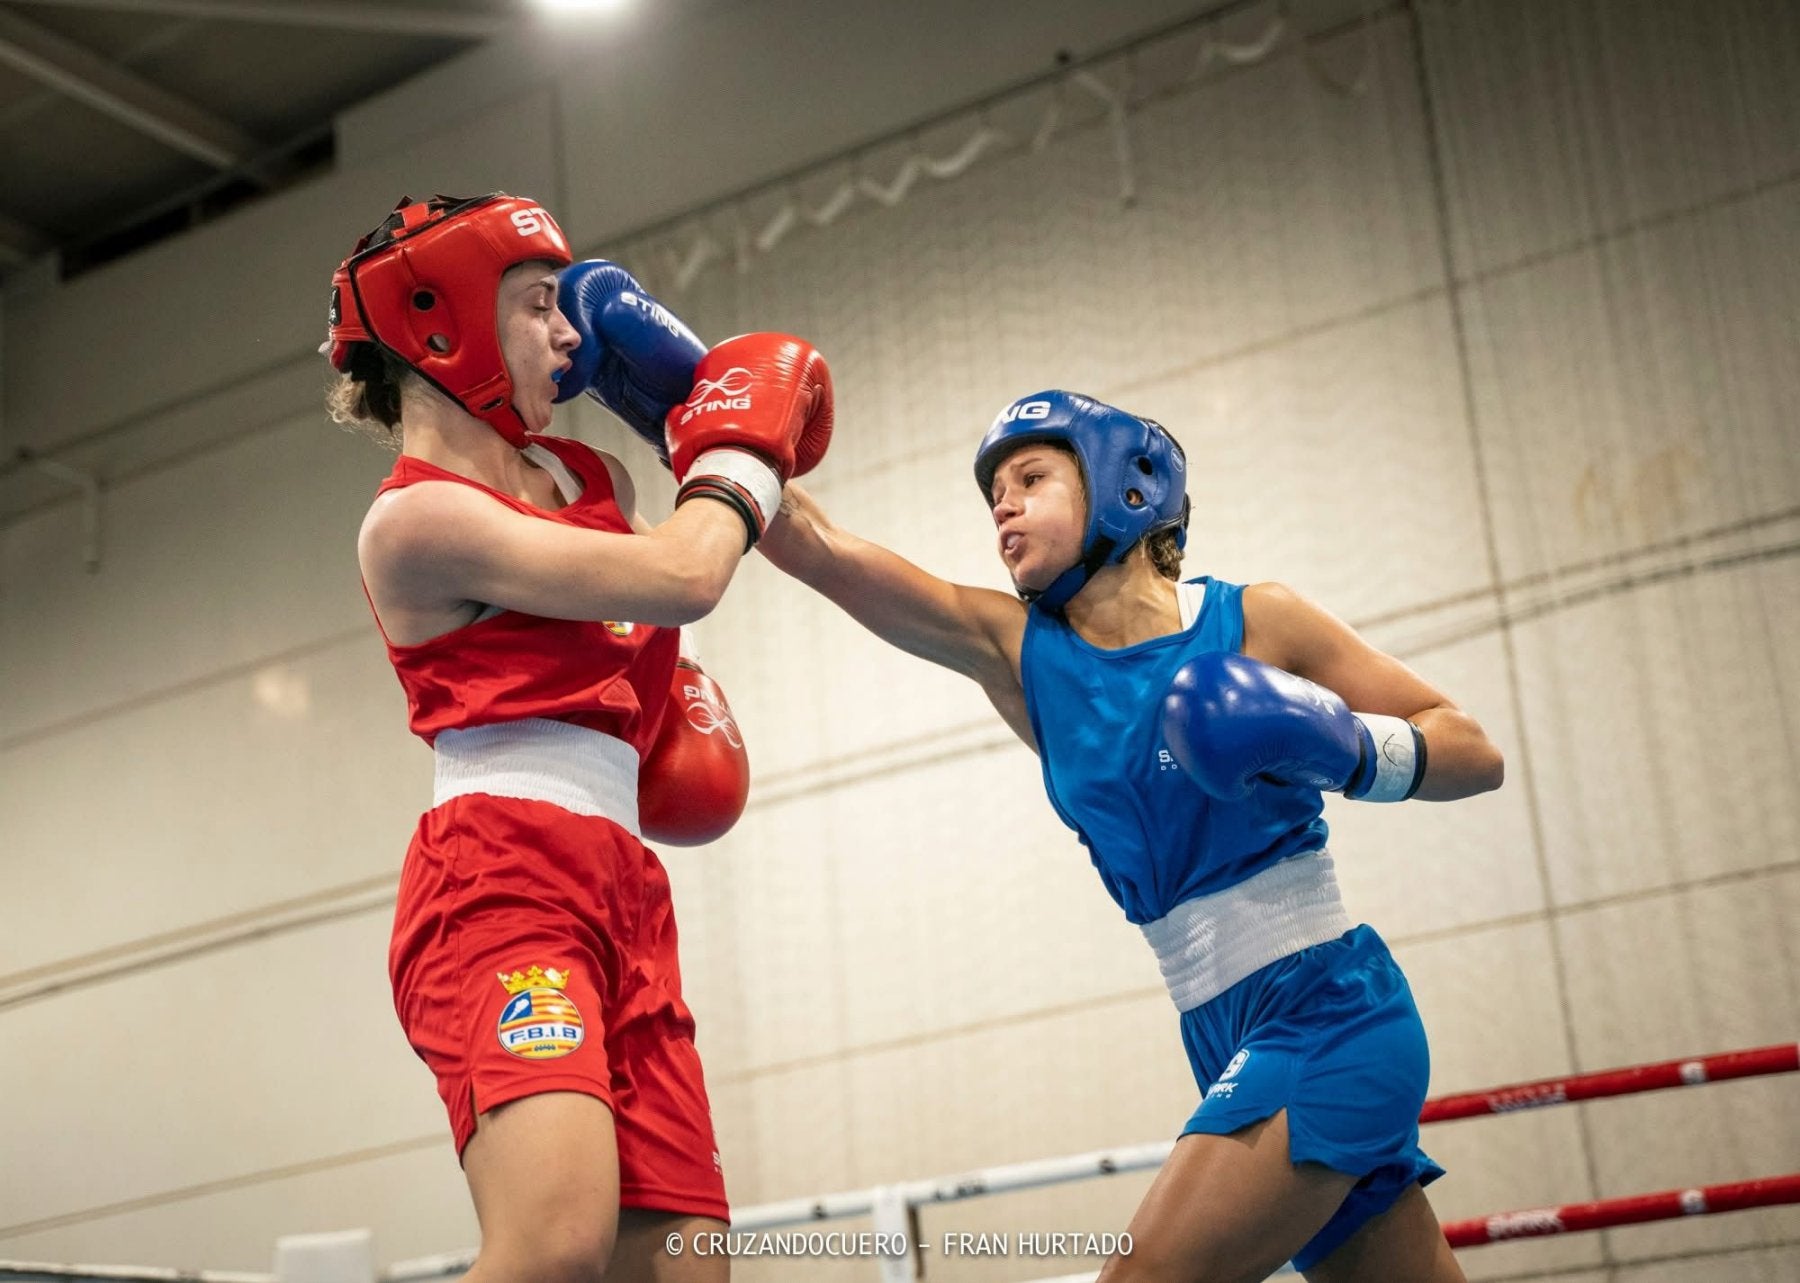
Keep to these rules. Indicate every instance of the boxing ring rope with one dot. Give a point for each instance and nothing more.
(1606, 1213)
(32, 1272)
(1636, 1209)
(1781, 1058)
(894, 1206)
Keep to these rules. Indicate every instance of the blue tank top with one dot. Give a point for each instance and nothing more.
(1155, 837)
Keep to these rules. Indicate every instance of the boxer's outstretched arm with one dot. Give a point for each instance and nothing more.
(1293, 633)
(973, 631)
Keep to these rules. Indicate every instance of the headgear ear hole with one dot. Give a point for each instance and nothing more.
(1144, 466)
(438, 343)
(424, 300)
(495, 404)
(1134, 497)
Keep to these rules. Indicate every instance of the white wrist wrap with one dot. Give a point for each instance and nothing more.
(760, 482)
(1399, 758)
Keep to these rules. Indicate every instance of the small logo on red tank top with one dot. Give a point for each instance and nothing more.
(618, 629)
(541, 1021)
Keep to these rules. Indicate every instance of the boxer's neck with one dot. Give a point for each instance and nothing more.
(1125, 604)
(442, 433)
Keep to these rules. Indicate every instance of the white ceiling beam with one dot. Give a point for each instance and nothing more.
(345, 15)
(125, 96)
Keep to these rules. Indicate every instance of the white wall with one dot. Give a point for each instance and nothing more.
(1557, 487)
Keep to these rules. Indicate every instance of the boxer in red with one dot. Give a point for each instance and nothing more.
(533, 620)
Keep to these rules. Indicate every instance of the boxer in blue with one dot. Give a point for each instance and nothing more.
(1187, 731)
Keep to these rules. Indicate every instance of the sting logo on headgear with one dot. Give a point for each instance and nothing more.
(424, 284)
(1134, 472)
(541, 1022)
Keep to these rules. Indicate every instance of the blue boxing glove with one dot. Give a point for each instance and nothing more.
(636, 357)
(1230, 721)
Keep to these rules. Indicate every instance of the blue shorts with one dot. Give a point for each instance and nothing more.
(1331, 1035)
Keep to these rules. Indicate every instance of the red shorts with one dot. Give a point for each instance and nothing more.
(574, 913)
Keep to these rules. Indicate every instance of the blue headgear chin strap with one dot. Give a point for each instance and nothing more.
(1135, 473)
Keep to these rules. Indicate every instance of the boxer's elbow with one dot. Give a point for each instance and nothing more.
(1481, 768)
(1461, 758)
(694, 590)
(1490, 769)
(1461, 767)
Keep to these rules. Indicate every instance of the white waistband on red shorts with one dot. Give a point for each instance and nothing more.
(581, 770)
(1207, 944)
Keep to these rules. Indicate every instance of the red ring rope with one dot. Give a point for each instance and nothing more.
(1780, 1059)
(1664, 1206)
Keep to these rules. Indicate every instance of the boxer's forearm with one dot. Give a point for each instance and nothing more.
(968, 630)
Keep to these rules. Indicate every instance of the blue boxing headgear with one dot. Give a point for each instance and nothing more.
(1135, 473)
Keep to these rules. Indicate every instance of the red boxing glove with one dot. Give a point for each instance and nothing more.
(696, 777)
(760, 413)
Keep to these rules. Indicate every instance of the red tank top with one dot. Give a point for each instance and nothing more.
(612, 677)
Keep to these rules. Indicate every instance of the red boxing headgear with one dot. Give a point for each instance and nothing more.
(423, 285)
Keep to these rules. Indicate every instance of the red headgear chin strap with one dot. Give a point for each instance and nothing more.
(423, 285)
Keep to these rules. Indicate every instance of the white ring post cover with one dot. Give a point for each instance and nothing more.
(891, 1215)
(341, 1256)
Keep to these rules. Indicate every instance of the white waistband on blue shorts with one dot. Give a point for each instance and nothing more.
(1207, 944)
(583, 771)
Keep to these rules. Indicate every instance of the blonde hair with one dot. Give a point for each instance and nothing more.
(366, 398)
(1164, 548)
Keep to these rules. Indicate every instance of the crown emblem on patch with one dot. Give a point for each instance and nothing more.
(534, 977)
